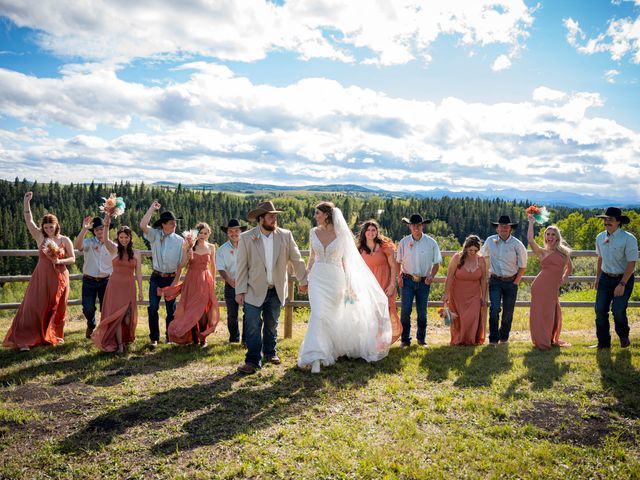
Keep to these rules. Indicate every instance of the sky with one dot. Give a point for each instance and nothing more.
(403, 95)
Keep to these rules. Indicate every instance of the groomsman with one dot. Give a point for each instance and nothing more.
(419, 257)
(226, 265)
(507, 263)
(617, 252)
(96, 269)
(166, 253)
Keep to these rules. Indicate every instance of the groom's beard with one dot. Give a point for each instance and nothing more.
(269, 228)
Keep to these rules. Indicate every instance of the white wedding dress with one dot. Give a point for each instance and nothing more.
(349, 310)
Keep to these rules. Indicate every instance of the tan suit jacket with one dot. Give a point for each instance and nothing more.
(251, 277)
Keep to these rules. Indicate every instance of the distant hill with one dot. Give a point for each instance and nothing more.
(544, 198)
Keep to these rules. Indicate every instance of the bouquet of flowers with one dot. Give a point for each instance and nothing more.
(52, 249)
(447, 315)
(190, 236)
(539, 213)
(113, 205)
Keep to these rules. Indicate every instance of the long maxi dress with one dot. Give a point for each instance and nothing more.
(379, 265)
(197, 302)
(119, 300)
(467, 327)
(545, 315)
(40, 317)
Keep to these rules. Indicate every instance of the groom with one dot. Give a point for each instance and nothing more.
(261, 282)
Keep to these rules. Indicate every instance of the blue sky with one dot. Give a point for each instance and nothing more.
(402, 95)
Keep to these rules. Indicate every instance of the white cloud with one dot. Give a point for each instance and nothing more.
(621, 38)
(216, 126)
(501, 63)
(610, 75)
(389, 32)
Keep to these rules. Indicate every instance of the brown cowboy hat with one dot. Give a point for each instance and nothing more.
(164, 218)
(617, 213)
(261, 209)
(415, 219)
(233, 223)
(505, 220)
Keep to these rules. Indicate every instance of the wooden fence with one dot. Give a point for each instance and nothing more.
(290, 303)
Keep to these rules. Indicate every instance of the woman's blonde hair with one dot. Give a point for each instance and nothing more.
(561, 246)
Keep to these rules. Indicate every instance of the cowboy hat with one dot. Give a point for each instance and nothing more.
(617, 213)
(97, 222)
(261, 209)
(505, 220)
(233, 223)
(415, 219)
(164, 218)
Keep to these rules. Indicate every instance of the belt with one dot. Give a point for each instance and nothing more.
(504, 279)
(613, 275)
(95, 279)
(415, 278)
(163, 275)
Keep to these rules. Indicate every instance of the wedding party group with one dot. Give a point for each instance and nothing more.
(352, 283)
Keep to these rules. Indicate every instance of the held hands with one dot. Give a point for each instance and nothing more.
(303, 289)
(391, 289)
(140, 296)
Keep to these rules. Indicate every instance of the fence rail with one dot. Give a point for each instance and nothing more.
(290, 303)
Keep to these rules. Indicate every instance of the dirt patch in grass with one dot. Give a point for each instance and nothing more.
(566, 422)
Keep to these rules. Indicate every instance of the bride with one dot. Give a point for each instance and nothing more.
(349, 310)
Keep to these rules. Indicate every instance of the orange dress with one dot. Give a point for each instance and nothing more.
(40, 317)
(467, 328)
(119, 299)
(197, 300)
(378, 263)
(545, 315)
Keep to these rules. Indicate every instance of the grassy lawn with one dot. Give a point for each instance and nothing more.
(441, 412)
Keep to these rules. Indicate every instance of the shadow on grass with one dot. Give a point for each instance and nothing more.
(441, 360)
(233, 404)
(620, 378)
(488, 363)
(542, 373)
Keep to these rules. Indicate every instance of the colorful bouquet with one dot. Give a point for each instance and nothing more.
(447, 315)
(52, 249)
(540, 214)
(190, 236)
(113, 205)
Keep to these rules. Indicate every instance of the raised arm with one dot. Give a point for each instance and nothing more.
(531, 239)
(112, 247)
(78, 242)
(35, 232)
(144, 223)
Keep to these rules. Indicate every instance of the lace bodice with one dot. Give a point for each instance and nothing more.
(331, 254)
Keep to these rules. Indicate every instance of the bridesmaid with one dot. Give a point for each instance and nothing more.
(197, 313)
(378, 253)
(465, 292)
(40, 317)
(545, 315)
(120, 310)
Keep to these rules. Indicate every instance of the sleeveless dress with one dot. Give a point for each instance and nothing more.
(119, 300)
(336, 326)
(197, 300)
(40, 317)
(466, 301)
(545, 315)
(379, 265)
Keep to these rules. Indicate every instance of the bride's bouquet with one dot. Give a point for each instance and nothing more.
(113, 205)
(51, 249)
(190, 236)
(540, 214)
(447, 315)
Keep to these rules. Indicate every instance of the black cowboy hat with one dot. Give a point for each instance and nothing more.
(415, 219)
(505, 220)
(165, 217)
(97, 222)
(617, 213)
(261, 209)
(233, 223)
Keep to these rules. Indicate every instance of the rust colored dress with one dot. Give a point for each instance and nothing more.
(119, 300)
(466, 302)
(197, 301)
(40, 317)
(378, 263)
(545, 315)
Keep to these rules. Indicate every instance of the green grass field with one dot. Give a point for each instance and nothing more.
(441, 412)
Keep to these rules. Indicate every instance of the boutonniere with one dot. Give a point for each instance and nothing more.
(606, 240)
(410, 244)
(496, 240)
(254, 237)
(232, 252)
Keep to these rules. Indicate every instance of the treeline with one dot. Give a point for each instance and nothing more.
(453, 218)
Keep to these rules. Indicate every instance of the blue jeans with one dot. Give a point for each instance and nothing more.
(409, 291)
(232, 314)
(506, 293)
(618, 305)
(90, 290)
(261, 328)
(156, 282)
